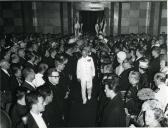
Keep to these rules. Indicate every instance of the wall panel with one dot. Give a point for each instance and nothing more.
(134, 17)
(163, 26)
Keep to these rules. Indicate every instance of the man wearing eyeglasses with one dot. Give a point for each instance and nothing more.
(54, 110)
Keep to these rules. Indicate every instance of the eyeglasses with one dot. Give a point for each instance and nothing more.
(143, 68)
(55, 76)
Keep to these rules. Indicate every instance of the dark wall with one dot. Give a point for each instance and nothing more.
(51, 17)
(57, 17)
(45, 17)
(11, 19)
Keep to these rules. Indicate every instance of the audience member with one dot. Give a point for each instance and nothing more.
(121, 56)
(19, 109)
(54, 110)
(39, 80)
(29, 75)
(37, 105)
(114, 113)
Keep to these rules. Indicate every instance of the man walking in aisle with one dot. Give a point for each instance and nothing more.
(85, 74)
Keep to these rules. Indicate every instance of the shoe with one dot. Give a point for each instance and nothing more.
(89, 97)
(84, 101)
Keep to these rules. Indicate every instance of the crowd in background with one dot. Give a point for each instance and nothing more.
(38, 72)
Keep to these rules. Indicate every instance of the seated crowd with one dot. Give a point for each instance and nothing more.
(38, 72)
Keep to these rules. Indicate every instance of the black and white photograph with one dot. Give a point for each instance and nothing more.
(83, 63)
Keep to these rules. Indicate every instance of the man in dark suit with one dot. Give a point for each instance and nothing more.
(54, 110)
(114, 113)
(50, 61)
(29, 75)
(30, 60)
(16, 80)
(5, 76)
(64, 78)
(21, 54)
(140, 52)
(19, 109)
(37, 105)
(143, 70)
(116, 50)
(154, 65)
(5, 83)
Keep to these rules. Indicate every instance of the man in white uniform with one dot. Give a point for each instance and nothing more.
(85, 74)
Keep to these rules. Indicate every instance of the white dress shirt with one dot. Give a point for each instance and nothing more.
(39, 120)
(162, 94)
(19, 81)
(38, 81)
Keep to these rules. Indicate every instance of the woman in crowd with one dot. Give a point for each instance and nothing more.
(132, 102)
(124, 84)
(154, 118)
(121, 56)
(152, 114)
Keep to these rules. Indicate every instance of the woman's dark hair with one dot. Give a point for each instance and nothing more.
(42, 67)
(44, 91)
(32, 98)
(128, 61)
(50, 71)
(141, 50)
(59, 62)
(20, 92)
(15, 68)
(156, 49)
(29, 56)
(27, 71)
(113, 84)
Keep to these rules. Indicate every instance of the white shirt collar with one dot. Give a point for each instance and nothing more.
(30, 83)
(5, 71)
(39, 120)
(138, 58)
(35, 114)
(30, 62)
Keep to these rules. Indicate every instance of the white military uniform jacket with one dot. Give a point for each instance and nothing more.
(85, 68)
